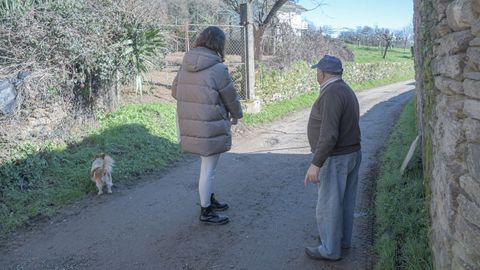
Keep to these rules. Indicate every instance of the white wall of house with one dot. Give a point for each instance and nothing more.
(294, 19)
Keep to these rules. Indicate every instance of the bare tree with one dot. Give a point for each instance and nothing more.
(307, 47)
(386, 36)
(407, 34)
(367, 35)
(190, 11)
(265, 12)
(327, 30)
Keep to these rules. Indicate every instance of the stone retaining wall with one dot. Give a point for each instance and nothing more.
(447, 63)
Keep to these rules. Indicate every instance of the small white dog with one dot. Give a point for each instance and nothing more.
(101, 172)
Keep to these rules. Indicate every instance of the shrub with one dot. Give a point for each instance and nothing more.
(288, 46)
(77, 47)
(274, 84)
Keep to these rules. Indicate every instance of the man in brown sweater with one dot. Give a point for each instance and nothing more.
(334, 137)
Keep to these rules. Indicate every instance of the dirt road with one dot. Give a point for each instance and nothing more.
(155, 224)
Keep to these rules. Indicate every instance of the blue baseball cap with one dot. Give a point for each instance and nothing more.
(330, 64)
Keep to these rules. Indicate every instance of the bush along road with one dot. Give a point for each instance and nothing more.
(154, 225)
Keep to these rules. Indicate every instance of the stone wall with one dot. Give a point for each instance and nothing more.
(447, 63)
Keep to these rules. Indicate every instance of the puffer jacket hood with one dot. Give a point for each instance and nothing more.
(199, 59)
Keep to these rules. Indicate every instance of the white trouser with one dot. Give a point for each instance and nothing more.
(205, 182)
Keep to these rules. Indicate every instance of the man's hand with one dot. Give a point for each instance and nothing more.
(312, 175)
(233, 121)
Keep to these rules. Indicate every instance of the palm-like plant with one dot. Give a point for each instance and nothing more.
(142, 46)
(11, 7)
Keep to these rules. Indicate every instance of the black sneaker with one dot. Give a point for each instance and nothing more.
(208, 216)
(216, 205)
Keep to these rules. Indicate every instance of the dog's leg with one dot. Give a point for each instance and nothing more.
(109, 186)
(108, 181)
(100, 188)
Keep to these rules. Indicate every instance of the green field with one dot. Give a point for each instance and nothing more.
(366, 54)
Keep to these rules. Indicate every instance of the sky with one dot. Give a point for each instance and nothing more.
(391, 14)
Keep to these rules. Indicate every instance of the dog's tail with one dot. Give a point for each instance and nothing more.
(105, 163)
(108, 163)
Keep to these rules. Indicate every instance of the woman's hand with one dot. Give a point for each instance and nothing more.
(233, 121)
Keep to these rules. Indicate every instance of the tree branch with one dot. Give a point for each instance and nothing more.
(233, 4)
(318, 4)
(278, 4)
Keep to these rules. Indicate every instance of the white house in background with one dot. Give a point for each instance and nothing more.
(291, 13)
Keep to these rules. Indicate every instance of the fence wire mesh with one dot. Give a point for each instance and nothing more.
(182, 37)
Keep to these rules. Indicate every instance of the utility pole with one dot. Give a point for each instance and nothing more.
(251, 103)
(246, 19)
(187, 38)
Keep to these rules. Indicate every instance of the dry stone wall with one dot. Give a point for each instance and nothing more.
(447, 63)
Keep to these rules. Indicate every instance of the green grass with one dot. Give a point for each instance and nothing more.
(367, 54)
(401, 203)
(40, 178)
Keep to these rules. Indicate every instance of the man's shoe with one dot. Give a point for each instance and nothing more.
(208, 216)
(314, 253)
(216, 205)
(344, 246)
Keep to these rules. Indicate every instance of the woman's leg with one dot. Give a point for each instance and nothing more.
(205, 182)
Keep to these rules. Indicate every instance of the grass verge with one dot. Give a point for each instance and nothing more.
(401, 204)
(40, 178)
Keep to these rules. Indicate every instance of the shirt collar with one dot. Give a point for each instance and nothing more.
(329, 81)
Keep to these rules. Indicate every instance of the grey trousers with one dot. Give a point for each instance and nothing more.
(336, 202)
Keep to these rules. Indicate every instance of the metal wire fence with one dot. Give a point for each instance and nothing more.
(180, 40)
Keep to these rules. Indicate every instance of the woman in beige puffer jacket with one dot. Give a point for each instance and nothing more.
(207, 106)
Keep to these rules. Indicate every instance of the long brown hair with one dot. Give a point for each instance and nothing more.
(214, 39)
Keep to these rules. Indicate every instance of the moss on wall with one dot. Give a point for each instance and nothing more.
(427, 91)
